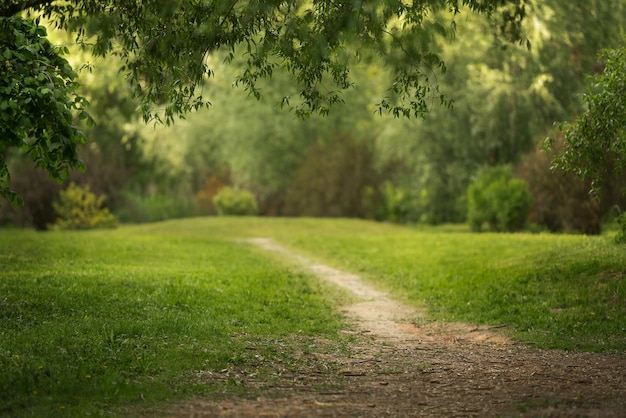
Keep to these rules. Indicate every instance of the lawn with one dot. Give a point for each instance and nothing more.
(92, 322)
(549, 291)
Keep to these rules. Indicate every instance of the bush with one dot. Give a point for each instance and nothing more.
(498, 199)
(79, 208)
(561, 201)
(230, 201)
(620, 238)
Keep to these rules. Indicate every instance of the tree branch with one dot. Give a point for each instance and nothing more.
(16, 7)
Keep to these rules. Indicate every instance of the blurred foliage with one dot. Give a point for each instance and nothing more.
(229, 201)
(561, 201)
(80, 208)
(620, 237)
(155, 207)
(204, 197)
(498, 199)
(334, 181)
(355, 161)
(161, 49)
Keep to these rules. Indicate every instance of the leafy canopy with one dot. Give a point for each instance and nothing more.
(595, 144)
(164, 47)
(37, 101)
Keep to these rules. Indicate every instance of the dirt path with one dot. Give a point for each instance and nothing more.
(399, 367)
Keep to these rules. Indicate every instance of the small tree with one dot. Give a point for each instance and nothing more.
(80, 208)
(498, 199)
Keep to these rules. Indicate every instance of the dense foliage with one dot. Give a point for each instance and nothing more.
(37, 101)
(595, 144)
(164, 45)
(499, 200)
(353, 161)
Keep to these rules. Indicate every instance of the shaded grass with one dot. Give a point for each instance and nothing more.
(91, 320)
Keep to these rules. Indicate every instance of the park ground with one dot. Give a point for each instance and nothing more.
(400, 365)
(197, 318)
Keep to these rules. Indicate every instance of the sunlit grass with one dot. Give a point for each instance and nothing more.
(552, 291)
(93, 319)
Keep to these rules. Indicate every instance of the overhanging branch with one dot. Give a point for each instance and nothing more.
(15, 7)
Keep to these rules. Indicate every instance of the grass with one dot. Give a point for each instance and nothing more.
(551, 291)
(96, 322)
(93, 320)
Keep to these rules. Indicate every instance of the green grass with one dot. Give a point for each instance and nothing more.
(93, 320)
(551, 291)
(97, 322)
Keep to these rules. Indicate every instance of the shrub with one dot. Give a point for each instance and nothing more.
(230, 201)
(620, 238)
(498, 199)
(561, 201)
(79, 208)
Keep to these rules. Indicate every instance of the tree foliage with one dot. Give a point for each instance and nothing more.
(164, 43)
(37, 101)
(595, 144)
(163, 46)
(506, 100)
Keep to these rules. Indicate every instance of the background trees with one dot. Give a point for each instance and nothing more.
(358, 160)
(163, 45)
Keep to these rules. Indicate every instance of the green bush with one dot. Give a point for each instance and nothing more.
(230, 201)
(620, 238)
(79, 208)
(498, 199)
(561, 201)
(396, 204)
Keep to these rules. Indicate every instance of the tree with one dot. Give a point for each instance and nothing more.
(595, 144)
(505, 99)
(37, 101)
(163, 45)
